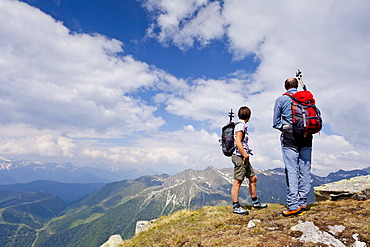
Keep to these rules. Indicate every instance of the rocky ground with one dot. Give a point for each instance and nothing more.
(329, 223)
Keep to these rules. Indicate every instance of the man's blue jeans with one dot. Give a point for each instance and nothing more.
(298, 175)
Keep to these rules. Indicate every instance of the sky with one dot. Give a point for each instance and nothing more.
(148, 84)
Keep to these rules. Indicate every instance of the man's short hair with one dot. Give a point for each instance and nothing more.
(244, 113)
(291, 83)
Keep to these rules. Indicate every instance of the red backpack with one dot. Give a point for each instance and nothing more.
(306, 116)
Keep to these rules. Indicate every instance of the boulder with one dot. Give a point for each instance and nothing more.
(143, 225)
(352, 188)
(113, 241)
(311, 233)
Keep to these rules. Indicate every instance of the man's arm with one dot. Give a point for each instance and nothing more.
(277, 124)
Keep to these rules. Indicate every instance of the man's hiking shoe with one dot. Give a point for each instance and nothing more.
(257, 204)
(240, 210)
(290, 213)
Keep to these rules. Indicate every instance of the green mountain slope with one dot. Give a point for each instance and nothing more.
(112, 209)
(21, 213)
(68, 192)
(116, 207)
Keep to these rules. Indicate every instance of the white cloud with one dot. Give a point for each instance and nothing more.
(21, 139)
(185, 21)
(330, 48)
(167, 151)
(53, 78)
(327, 40)
(208, 100)
(78, 96)
(334, 151)
(66, 145)
(69, 95)
(207, 25)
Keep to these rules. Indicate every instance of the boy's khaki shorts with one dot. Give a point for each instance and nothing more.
(241, 171)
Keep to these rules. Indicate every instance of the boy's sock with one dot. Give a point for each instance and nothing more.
(236, 204)
(254, 198)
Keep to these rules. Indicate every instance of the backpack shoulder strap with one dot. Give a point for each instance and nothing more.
(237, 122)
(289, 94)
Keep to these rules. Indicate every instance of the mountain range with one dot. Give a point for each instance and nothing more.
(68, 192)
(44, 219)
(24, 171)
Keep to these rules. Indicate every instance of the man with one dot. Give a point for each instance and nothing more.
(296, 150)
(242, 167)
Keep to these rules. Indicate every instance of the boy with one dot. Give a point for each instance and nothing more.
(242, 167)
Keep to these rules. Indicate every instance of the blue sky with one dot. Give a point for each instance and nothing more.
(127, 21)
(149, 83)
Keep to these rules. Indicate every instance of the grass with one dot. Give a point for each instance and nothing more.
(217, 226)
(87, 220)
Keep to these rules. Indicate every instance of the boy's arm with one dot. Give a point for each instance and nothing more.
(239, 145)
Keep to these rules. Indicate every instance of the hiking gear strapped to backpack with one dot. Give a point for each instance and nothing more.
(306, 116)
(298, 75)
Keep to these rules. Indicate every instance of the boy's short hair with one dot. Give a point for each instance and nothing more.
(244, 113)
(291, 83)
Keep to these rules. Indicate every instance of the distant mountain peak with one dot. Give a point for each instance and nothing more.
(7, 164)
(4, 159)
(24, 171)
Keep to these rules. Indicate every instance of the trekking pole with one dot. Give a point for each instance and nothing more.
(231, 115)
(298, 74)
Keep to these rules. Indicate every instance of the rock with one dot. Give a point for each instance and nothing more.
(311, 233)
(142, 225)
(352, 188)
(336, 229)
(113, 241)
(252, 223)
(358, 243)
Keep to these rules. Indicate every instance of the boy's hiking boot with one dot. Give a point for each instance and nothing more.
(257, 204)
(240, 210)
(291, 213)
(237, 209)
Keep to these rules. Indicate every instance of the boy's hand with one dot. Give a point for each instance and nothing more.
(245, 159)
